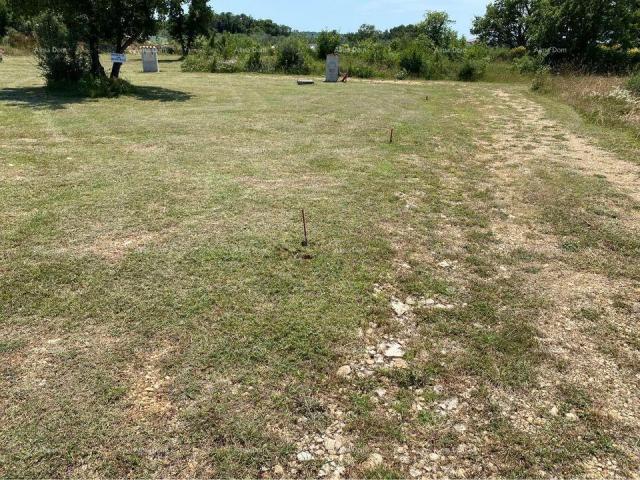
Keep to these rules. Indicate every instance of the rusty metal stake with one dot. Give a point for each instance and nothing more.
(391, 136)
(304, 225)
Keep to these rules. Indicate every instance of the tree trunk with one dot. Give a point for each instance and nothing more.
(115, 70)
(96, 67)
(183, 46)
(121, 48)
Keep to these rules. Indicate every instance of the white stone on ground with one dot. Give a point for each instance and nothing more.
(400, 308)
(393, 350)
(304, 457)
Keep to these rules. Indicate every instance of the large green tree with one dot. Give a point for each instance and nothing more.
(186, 22)
(118, 23)
(328, 42)
(504, 23)
(573, 29)
(437, 26)
(578, 27)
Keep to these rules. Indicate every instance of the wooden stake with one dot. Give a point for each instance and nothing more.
(391, 136)
(304, 225)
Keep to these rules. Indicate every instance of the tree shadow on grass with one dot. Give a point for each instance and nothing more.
(43, 98)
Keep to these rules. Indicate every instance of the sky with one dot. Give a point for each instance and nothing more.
(347, 15)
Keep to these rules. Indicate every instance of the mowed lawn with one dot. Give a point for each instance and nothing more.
(160, 317)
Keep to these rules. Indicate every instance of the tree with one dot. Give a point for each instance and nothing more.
(119, 23)
(437, 27)
(185, 28)
(571, 29)
(228, 22)
(577, 28)
(504, 23)
(367, 32)
(4, 17)
(328, 42)
(402, 31)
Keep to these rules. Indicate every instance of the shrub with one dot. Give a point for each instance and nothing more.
(291, 59)
(94, 87)
(634, 84)
(471, 70)
(528, 64)
(231, 65)
(412, 60)
(254, 62)
(402, 74)
(328, 43)
(518, 52)
(19, 40)
(200, 61)
(542, 81)
(361, 71)
(58, 54)
(376, 53)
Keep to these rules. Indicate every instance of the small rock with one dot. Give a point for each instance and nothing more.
(278, 470)
(381, 392)
(400, 363)
(399, 308)
(449, 405)
(394, 350)
(333, 445)
(554, 411)
(374, 460)
(460, 428)
(444, 264)
(414, 472)
(434, 457)
(571, 416)
(344, 371)
(304, 457)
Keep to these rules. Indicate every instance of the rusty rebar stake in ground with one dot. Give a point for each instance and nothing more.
(305, 243)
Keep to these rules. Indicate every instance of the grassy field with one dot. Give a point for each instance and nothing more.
(467, 307)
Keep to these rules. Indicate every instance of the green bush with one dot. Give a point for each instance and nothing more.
(634, 84)
(290, 58)
(232, 65)
(200, 61)
(518, 52)
(402, 74)
(541, 81)
(59, 57)
(528, 64)
(412, 60)
(377, 54)
(91, 86)
(361, 71)
(471, 70)
(328, 43)
(254, 62)
(103, 86)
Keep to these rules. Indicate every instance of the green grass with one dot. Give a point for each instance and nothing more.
(160, 317)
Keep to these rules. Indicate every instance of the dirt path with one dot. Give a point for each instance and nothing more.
(528, 139)
(582, 411)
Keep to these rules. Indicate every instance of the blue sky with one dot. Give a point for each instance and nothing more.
(348, 15)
